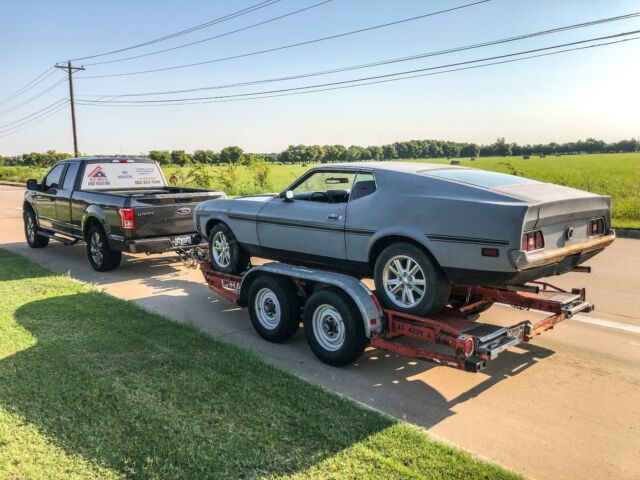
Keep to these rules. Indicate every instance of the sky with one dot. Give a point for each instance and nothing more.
(570, 96)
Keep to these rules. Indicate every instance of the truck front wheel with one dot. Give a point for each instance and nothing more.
(101, 256)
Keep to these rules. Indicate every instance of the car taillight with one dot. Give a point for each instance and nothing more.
(532, 241)
(596, 227)
(127, 217)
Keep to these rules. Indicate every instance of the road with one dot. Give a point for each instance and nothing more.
(564, 406)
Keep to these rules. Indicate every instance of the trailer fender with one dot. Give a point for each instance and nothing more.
(361, 295)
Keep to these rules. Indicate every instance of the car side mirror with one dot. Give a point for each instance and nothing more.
(32, 184)
(288, 195)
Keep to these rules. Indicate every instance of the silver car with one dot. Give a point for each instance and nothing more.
(416, 228)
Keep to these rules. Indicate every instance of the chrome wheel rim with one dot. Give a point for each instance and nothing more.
(267, 308)
(404, 281)
(220, 249)
(31, 229)
(96, 247)
(328, 328)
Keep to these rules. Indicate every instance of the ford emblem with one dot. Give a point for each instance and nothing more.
(183, 211)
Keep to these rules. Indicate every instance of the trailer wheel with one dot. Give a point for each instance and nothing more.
(274, 308)
(333, 327)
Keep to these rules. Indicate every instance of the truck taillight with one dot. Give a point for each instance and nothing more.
(127, 217)
(596, 227)
(532, 241)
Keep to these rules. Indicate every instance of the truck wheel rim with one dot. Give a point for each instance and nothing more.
(404, 281)
(328, 328)
(220, 247)
(31, 229)
(96, 248)
(267, 308)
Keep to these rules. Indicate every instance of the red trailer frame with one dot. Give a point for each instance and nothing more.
(452, 337)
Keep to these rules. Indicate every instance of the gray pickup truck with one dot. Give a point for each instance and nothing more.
(114, 204)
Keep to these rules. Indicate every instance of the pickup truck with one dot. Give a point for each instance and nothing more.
(113, 204)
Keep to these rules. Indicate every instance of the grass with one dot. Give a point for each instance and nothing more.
(617, 175)
(95, 387)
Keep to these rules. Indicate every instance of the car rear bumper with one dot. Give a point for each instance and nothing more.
(158, 244)
(529, 260)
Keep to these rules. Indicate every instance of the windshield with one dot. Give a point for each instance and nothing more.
(130, 175)
(478, 178)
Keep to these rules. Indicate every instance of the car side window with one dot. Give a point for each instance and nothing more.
(53, 178)
(365, 184)
(326, 187)
(70, 176)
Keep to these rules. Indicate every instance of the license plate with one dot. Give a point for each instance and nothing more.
(181, 241)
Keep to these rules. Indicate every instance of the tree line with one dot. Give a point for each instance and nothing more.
(234, 155)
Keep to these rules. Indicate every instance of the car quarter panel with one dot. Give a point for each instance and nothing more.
(452, 221)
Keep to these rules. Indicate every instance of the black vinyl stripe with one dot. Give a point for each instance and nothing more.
(456, 239)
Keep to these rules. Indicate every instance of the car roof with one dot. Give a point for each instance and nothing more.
(403, 167)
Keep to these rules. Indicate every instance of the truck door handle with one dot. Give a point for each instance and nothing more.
(333, 216)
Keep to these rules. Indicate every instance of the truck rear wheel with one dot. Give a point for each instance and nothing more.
(31, 231)
(274, 308)
(333, 327)
(101, 256)
(227, 255)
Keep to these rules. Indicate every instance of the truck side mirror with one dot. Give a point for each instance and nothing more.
(32, 184)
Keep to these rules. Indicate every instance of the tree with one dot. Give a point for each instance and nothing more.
(163, 157)
(501, 147)
(180, 157)
(470, 150)
(389, 152)
(206, 157)
(232, 155)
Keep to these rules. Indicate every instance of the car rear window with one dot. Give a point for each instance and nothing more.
(118, 175)
(478, 178)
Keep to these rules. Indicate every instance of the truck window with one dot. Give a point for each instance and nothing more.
(118, 175)
(53, 177)
(70, 176)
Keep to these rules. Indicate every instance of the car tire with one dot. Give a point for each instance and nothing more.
(101, 256)
(333, 327)
(274, 308)
(227, 255)
(409, 281)
(31, 231)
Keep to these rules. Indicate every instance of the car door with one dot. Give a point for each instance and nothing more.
(63, 199)
(310, 225)
(45, 199)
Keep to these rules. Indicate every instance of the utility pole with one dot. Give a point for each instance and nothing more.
(70, 70)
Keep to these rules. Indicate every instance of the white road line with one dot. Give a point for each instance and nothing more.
(607, 323)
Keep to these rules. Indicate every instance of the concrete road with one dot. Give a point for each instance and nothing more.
(565, 406)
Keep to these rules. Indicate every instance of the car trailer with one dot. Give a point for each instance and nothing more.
(342, 316)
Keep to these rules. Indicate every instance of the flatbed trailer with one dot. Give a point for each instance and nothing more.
(453, 337)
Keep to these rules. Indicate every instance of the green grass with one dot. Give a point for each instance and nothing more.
(617, 175)
(96, 387)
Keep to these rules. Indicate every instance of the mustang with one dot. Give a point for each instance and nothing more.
(417, 228)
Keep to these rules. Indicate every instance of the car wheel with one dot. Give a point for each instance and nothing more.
(274, 308)
(31, 231)
(407, 280)
(101, 256)
(227, 255)
(333, 327)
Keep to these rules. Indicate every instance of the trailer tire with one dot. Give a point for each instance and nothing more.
(274, 308)
(333, 327)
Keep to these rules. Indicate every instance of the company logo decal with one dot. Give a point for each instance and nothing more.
(97, 177)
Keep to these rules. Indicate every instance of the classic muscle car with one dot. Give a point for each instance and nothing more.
(417, 228)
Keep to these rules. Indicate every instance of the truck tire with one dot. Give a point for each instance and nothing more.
(274, 308)
(101, 256)
(408, 281)
(333, 327)
(31, 231)
(227, 255)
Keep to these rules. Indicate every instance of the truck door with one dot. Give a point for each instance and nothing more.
(45, 199)
(311, 224)
(63, 200)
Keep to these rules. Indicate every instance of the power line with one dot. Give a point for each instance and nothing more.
(293, 45)
(379, 63)
(34, 113)
(35, 122)
(362, 79)
(224, 18)
(43, 113)
(372, 82)
(40, 78)
(34, 97)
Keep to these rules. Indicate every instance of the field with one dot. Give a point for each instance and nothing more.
(617, 175)
(131, 394)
